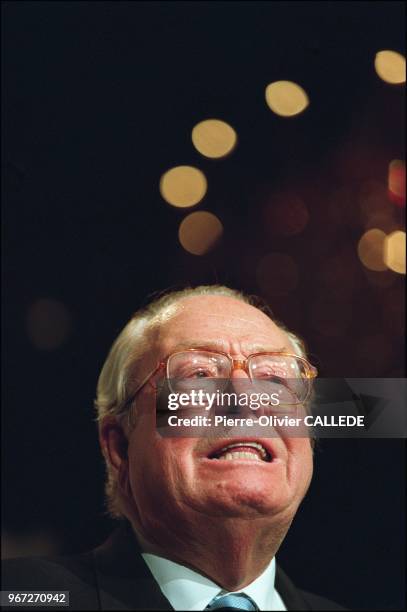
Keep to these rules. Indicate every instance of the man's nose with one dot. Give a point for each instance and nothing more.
(239, 369)
(239, 379)
(238, 373)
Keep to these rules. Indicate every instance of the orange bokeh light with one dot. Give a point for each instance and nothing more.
(397, 182)
(199, 232)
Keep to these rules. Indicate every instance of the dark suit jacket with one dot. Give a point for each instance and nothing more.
(114, 576)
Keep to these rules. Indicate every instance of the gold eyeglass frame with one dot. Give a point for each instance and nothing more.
(235, 364)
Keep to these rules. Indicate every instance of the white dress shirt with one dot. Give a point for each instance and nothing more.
(185, 589)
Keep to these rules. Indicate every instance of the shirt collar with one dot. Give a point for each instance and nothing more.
(185, 589)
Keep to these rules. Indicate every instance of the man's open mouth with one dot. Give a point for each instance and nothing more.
(253, 451)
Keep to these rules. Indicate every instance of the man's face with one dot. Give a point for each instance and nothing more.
(176, 477)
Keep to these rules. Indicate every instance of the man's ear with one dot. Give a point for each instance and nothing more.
(113, 442)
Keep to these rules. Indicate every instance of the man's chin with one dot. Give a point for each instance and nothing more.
(245, 502)
(241, 485)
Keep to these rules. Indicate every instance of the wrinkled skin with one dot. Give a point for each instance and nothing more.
(185, 506)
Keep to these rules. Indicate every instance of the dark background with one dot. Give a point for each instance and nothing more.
(99, 99)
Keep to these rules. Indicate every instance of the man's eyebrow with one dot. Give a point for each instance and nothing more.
(221, 345)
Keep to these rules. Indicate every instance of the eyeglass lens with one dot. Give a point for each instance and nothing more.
(209, 371)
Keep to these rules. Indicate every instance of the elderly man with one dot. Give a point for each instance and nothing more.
(201, 517)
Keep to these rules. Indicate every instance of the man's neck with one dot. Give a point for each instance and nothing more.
(231, 552)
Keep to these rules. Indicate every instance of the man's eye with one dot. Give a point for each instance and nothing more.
(270, 373)
(196, 372)
(200, 374)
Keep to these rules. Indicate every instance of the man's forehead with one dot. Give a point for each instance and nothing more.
(215, 318)
(212, 308)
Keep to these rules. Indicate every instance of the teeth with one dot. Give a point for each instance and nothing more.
(252, 444)
(240, 455)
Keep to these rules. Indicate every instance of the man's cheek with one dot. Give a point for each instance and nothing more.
(301, 458)
(307, 471)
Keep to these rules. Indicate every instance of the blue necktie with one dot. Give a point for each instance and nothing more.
(238, 601)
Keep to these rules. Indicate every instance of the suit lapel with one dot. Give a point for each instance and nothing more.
(290, 595)
(123, 579)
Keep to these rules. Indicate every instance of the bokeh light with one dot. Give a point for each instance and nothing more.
(286, 214)
(277, 274)
(183, 186)
(48, 324)
(286, 98)
(375, 211)
(397, 182)
(199, 232)
(391, 67)
(370, 250)
(395, 251)
(214, 138)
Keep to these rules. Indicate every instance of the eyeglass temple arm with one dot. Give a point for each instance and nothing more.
(147, 379)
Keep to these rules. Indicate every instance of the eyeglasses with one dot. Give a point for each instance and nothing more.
(195, 369)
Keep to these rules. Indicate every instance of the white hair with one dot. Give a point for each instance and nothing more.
(128, 349)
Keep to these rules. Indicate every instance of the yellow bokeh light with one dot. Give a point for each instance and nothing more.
(286, 98)
(391, 67)
(370, 250)
(199, 232)
(214, 138)
(183, 186)
(395, 251)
